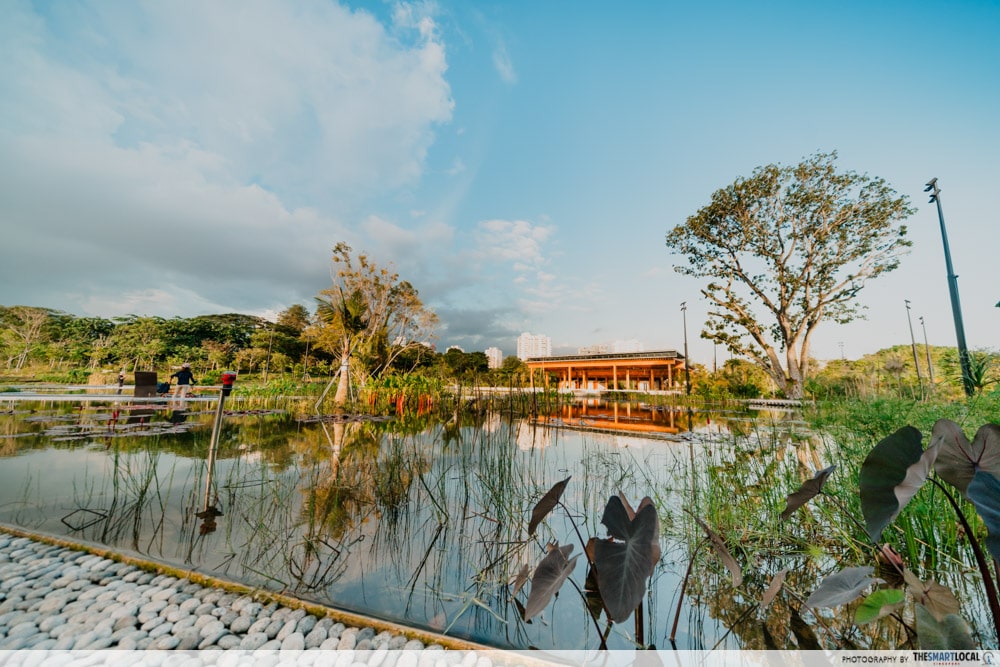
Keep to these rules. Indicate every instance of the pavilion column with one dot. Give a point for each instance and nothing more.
(614, 373)
(628, 379)
(569, 377)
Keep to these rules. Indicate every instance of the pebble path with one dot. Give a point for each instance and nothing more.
(57, 598)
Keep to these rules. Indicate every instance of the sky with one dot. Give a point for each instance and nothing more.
(519, 163)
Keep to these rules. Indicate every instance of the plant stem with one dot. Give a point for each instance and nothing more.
(984, 568)
(684, 582)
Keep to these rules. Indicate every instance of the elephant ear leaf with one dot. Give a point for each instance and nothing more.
(722, 550)
(843, 587)
(548, 578)
(627, 559)
(959, 460)
(546, 504)
(806, 492)
(950, 633)
(937, 599)
(879, 604)
(520, 579)
(984, 492)
(891, 475)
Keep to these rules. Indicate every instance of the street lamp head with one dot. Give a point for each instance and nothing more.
(933, 189)
(684, 305)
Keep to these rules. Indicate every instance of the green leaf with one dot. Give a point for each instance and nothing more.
(984, 492)
(806, 492)
(548, 578)
(958, 459)
(842, 587)
(891, 475)
(546, 504)
(623, 566)
(878, 604)
(951, 633)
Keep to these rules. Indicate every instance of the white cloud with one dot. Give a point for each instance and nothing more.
(518, 241)
(503, 64)
(158, 156)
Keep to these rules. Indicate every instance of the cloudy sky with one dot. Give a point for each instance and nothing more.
(518, 162)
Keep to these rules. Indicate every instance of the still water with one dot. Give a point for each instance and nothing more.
(419, 520)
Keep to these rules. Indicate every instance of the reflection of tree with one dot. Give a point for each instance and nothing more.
(787, 624)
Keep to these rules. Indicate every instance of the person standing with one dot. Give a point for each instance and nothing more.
(185, 379)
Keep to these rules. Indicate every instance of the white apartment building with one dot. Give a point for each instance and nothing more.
(624, 346)
(495, 357)
(614, 347)
(531, 345)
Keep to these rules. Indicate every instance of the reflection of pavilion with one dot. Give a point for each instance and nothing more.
(614, 417)
(639, 371)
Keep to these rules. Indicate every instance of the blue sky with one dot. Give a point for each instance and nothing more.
(519, 163)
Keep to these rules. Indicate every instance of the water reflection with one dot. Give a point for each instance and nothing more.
(415, 519)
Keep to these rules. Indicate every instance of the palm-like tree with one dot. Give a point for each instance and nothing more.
(348, 317)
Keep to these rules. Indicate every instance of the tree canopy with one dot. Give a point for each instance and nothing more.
(785, 249)
(368, 312)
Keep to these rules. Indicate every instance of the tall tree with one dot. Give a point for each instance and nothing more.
(23, 327)
(796, 244)
(369, 311)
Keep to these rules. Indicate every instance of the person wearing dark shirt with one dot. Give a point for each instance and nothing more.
(185, 379)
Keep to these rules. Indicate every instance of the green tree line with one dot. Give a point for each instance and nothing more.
(43, 343)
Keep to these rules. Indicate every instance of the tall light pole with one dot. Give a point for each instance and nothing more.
(913, 346)
(956, 306)
(927, 351)
(687, 365)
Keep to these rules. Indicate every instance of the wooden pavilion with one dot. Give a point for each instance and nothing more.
(635, 371)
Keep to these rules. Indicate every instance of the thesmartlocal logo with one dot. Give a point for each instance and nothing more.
(942, 658)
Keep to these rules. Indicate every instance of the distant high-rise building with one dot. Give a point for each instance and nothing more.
(600, 348)
(495, 357)
(624, 346)
(531, 345)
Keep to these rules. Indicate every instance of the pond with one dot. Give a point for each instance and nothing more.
(420, 519)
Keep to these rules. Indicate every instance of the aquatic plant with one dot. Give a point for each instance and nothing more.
(620, 564)
(891, 475)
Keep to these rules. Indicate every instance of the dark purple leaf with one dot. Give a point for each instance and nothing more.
(722, 551)
(548, 578)
(958, 459)
(891, 475)
(623, 566)
(546, 504)
(984, 492)
(806, 492)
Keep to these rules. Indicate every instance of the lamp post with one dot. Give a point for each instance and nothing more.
(913, 346)
(956, 306)
(687, 364)
(927, 351)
